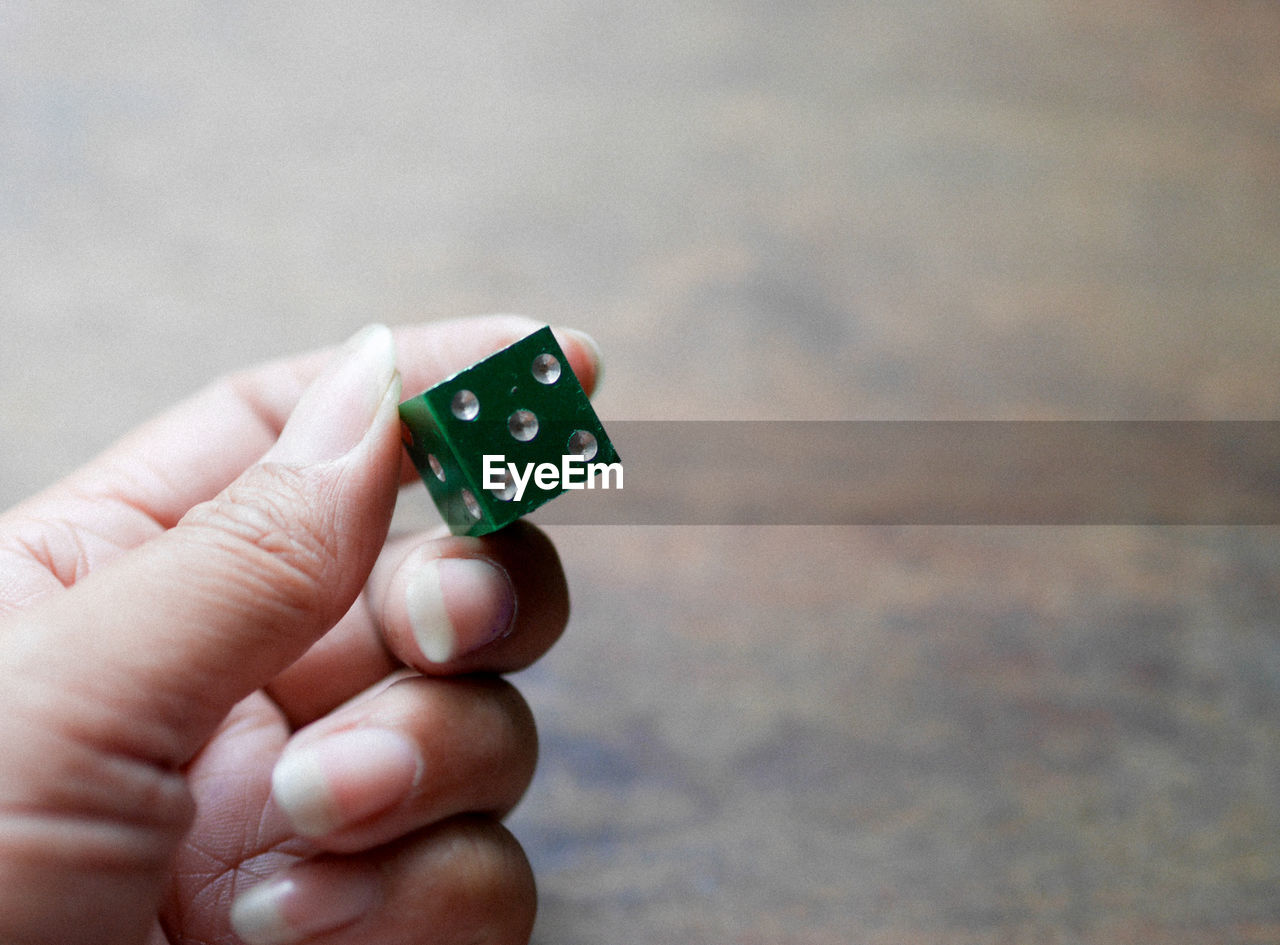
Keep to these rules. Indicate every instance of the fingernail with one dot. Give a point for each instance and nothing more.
(304, 901)
(457, 605)
(337, 410)
(344, 778)
(590, 344)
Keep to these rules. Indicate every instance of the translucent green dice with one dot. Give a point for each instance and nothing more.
(498, 439)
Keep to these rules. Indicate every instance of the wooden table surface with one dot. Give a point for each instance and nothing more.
(987, 210)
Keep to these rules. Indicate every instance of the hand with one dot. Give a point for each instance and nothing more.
(214, 604)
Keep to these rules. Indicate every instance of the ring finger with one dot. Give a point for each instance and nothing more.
(414, 753)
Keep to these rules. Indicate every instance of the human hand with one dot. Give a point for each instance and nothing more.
(214, 601)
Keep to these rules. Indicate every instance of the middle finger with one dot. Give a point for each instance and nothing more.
(439, 605)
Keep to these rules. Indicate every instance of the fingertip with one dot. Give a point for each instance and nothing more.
(340, 779)
(306, 900)
(584, 356)
(448, 605)
(457, 605)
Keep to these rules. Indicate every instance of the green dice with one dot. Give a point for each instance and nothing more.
(498, 439)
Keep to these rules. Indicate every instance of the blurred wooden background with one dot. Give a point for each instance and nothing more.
(823, 211)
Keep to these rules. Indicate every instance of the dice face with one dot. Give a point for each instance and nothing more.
(486, 439)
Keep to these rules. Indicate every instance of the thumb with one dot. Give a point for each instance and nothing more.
(148, 654)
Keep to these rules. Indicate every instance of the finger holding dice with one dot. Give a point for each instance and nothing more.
(437, 604)
(500, 438)
(464, 605)
(492, 606)
(434, 350)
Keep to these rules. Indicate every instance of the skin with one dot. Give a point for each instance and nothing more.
(212, 592)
